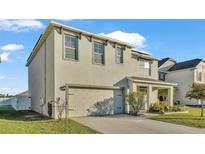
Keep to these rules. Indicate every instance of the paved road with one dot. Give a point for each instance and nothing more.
(125, 124)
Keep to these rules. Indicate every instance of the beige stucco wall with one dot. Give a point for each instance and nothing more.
(39, 74)
(59, 71)
(36, 72)
(84, 71)
(50, 69)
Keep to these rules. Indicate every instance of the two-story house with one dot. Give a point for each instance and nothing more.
(184, 74)
(92, 73)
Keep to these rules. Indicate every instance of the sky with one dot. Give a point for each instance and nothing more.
(178, 39)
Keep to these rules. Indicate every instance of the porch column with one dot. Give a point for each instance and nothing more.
(149, 97)
(170, 95)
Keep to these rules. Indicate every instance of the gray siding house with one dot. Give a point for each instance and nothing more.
(93, 73)
(184, 74)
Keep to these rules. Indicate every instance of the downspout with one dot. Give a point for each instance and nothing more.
(45, 76)
(66, 100)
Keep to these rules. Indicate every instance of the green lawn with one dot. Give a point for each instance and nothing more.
(192, 118)
(12, 122)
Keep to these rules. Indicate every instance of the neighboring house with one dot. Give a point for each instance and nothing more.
(184, 74)
(93, 73)
(22, 102)
(19, 102)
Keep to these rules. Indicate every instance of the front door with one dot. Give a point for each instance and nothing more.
(144, 97)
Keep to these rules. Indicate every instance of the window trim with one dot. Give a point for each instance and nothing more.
(162, 75)
(150, 69)
(199, 75)
(117, 56)
(93, 53)
(77, 47)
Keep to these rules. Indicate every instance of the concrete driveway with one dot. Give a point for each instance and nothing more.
(125, 124)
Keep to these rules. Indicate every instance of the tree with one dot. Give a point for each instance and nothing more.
(197, 91)
(135, 102)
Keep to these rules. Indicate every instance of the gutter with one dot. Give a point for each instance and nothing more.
(149, 57)
(153, 82)
(83, 86)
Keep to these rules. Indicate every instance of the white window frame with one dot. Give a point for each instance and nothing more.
(97, 53)
(143, 72)
(67, 47)
(199, 76)
(118, 57)
(162, 76)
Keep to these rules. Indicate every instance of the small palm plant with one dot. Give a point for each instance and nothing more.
(197, 91)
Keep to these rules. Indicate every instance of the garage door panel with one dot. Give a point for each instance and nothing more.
(84, 102)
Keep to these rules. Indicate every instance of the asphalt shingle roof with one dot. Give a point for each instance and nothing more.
(186, 64)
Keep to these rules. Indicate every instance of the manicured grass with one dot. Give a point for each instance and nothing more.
(192, 118)
(12, 122)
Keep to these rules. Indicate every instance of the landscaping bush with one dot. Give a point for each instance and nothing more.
(164, 107)
(177, 108)
(156, 107)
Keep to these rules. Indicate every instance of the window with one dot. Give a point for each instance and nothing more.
(162, 76)
(119, 55)
(144, 67)
(70, 47)
(99, 53)
(204, 77)
(199, 76)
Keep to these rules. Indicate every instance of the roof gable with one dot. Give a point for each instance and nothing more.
(164, 60)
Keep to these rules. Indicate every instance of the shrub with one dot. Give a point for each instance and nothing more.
(134, 102)
(166, 108)
(177, 108)
(161, 108)
(156, 107)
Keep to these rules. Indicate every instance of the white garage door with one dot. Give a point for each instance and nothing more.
(84, 102)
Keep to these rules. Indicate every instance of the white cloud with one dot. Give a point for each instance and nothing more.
(5, 90)
(4, 56)
(133, 38)
(2, 77)
(20, 25)
(12, 47)
(10, 91)
(6, 49)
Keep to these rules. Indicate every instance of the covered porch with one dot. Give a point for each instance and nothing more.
(154, 91)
